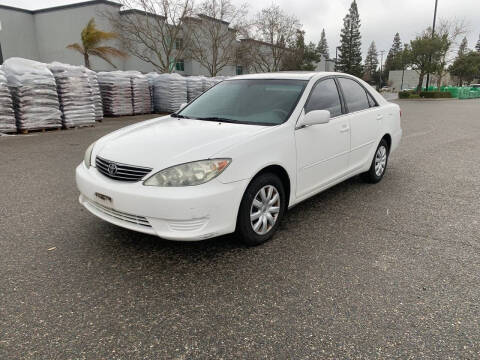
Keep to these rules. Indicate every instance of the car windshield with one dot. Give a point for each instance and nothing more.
(252, 101)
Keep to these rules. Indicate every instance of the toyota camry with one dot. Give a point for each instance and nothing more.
(238, 156)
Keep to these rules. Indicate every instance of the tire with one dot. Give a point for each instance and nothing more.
(270, 211)
(377, 170)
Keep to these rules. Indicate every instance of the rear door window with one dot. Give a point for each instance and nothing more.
(355, 95)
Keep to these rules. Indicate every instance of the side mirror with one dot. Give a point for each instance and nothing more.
(314, 117)
(182, 106)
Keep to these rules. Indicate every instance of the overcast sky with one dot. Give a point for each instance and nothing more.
(381, 19)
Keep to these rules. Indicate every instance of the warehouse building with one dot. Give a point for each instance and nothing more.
(408, 79)
(43, 35)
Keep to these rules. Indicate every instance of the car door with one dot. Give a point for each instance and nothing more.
(322, 150)
(365, 121)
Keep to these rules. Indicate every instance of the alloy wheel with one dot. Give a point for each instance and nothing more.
(380, 160)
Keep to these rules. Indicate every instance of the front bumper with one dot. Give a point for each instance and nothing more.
(183, 213)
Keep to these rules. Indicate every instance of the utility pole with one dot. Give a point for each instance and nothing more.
(433, 33)
(381, 67)
(336, 57)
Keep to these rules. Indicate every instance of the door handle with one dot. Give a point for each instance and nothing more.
(344, 128)
(379, 117)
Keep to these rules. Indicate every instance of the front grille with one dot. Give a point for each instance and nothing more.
(134, 219)
(119, 171)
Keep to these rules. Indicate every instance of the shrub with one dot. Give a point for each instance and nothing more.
(404, 94)
(435, 94)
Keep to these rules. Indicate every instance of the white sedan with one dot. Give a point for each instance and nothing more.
(238, 156)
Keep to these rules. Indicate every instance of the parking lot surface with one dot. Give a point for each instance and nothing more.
(358, 272)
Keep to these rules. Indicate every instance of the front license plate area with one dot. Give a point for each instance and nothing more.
(103, 199)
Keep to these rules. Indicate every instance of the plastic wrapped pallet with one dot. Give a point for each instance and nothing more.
(74, 94)
(116, 93)
(195, 86)
(170, 91)
(97, 98)
(211, 81)
(151, 79)
(34, 94)
(141, 100)
(7, 116)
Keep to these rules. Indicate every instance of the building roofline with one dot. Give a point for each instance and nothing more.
(6, 7)
(262, 43)
(213, 19)
(62, 7)
(140, 12)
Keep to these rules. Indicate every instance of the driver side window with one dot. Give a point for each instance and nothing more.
(324, 96)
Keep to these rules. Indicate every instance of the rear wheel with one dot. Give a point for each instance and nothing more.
(379, 164)
(261, 210)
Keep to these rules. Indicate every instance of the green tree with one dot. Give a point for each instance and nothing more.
(322, 47)
(477, 47)
(425, 54)
(394, 56)
(91, 44)
(466, 67)
(299, 55)
(463, 48)
(371, 64)
(350, 57)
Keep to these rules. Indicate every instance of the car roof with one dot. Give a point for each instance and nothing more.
(284, 75)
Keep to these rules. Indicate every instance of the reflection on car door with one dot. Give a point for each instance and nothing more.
(365, 120)
(322, 150)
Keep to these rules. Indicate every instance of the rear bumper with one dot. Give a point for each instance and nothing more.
(396, 137)
(185, 213)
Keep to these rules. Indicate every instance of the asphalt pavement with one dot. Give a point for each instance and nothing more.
(358, 272)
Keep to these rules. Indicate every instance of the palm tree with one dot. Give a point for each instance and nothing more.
(91, 39)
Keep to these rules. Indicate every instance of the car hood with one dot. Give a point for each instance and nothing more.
(167, 141)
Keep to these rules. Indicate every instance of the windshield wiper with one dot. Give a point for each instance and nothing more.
(216, 118)
(175, 115)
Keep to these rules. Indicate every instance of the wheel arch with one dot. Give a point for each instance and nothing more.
(282, 174)
(388, 138)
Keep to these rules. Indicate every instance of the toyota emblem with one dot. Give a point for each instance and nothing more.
(112, 168)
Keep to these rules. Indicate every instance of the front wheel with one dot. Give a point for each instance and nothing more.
(261, 210)
(379, 164)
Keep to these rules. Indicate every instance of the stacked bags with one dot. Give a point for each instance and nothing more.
(195, 86)
(34, 94)
(170, 91)
(151, 76)
(141, 100)
(212, 81)
(74, 94)
(96, 96)
(7, 116)
(116, 91)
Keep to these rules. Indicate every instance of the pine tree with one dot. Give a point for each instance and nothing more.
(394, 59)
(300, 56)
(350, 57)
(322, 47)
(463, 48)
(477, 47)
(371, 63)
(397, 44)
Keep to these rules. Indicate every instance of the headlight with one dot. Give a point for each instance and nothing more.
(88, 155)
(189, 174)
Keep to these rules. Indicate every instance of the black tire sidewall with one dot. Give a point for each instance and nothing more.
(373, 177)
(244, 228)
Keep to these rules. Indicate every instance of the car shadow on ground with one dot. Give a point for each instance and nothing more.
(138, 243)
